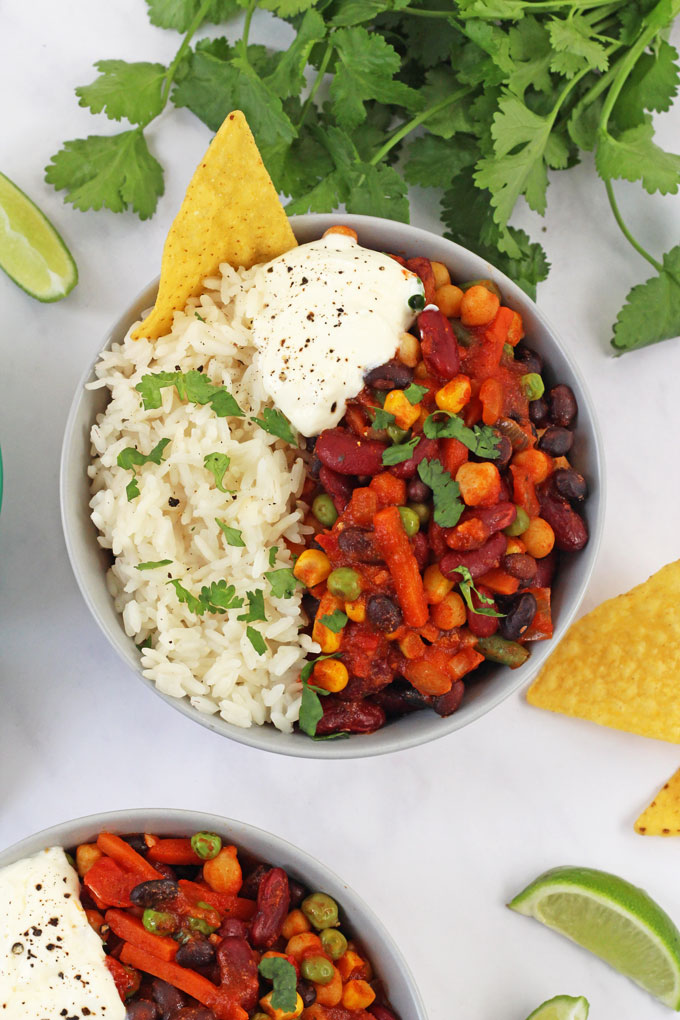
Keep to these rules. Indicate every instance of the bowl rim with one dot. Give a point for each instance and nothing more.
(361, 745)
(179, 820)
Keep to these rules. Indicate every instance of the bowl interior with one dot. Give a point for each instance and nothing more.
(90, 562)
(389, 964)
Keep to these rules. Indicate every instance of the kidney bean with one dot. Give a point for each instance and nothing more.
(168, 998)
(166, 870)
(538, 412)
(545, 570)
(530, 360)
(421, 549)
(571, 532)
(142, 1009)
(438, 344)
(398, 700)
(417, 491)
(426, 449)
(154, 893)
(335, 485)
(354, 716)
(238, 969)
(520, 565)
(422, 267)
(345, 453)
(232, 925)
(252, 881)
(194, 1013)
(570, 484)
(563, 406)
(494, 518)
(480, 624)
(556, 441)
(360, 545)
(307, 993)
(393, 375)
(384, 613)
(504, 453)
(519, 615)
(477, 561)
(273, 900)
(446, 704)
(196, 952)
(436, 536)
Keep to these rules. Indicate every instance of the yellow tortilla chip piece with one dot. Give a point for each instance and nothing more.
(620, 665)
(230, 213)
(662, 817)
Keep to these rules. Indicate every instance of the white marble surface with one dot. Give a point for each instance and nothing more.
(438, 838)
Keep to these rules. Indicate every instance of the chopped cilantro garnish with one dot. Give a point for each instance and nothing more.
(217, 464)
(192, 386)
(414, 393)
(146, 643)
(396, 454)
(216, 598)
(200, 317)
(467, 586)
(480, 439)
(276, 424)
(232, 535)
(130, 459)
(283, 582)
(381, 418)
(152, 564)
(256, 640)
(335, 621)
(272, 555)
(282, 973)
(445, 492)
(255, 607)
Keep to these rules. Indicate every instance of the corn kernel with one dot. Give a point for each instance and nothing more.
(435, 584)
(294, 924)
(356, 610)
(328, 641)
(420, 371)
(279, 1014)
(405, 413)
(539, 538)
(350, 963)
(357, 995)
(411, 646)
(331, 675)
(454, 396)
(450, 612)
(409, 350)
(441, 274)
(515, 545)
(448, 300)
(312, 567)
(87, 855)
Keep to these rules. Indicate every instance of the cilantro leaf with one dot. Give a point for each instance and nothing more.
(216, 598)
(179, 14)
(255, 607)
(575, 46)
(480, 439)
(272, 555)
(130, 457)
(184, 595)
(132, 489)
(150, 387)
(232, 535)
(256, 640)
(445, 492)
(634, 156)
(466, 586)
(335, 621)
(132, 91)
(652, 309)
(115, 171)
(381, 418)
(289, 79)
(146, 643)
(414, 393)
(276, 424)
(433, 161)
(651, 85)
(401, 452)
(217, 464)
(283, 582)
(193, 386)
(310, 710)
(366, 69)
(282, 973)
(152, 564)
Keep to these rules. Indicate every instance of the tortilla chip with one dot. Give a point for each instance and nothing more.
(620, 665)
(230, 213)
(662, 817)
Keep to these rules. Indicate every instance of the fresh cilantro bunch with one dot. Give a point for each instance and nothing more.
(476, 98)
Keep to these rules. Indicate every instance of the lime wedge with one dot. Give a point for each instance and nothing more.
(615, 920)
(31, 251)
(562, 1007)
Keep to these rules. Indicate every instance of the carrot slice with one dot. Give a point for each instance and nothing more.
(123, 854)
(403, 566)
(131, 930)
(226, 903)
(174, 851)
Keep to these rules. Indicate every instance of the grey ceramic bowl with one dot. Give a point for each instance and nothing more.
(358, 919)
(90, 562)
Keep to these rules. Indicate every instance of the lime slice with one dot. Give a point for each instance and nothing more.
(562, 1007)
(31, 251)
(615, 920)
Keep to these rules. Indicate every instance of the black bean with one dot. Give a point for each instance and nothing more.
(307, 993)
(563, 406)
(297, 893)
(314, 467)
(196, 952)
(137, 842)
(168, 998)
(539, 412)
(155, 893)
(504, 452)
(521, 612)
(359, 545)
(520, 565)
(556, 441)
(570, 484)
(310, 606)
(530, 360)
(447, 704)
(142, 1009)
(384, 613)
(417, 491)
(310, 443)
(393, 375)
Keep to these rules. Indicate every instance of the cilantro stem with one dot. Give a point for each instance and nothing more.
(625, 231)
(415, 122)
(317, 81)
(246, 27)
(193, 27)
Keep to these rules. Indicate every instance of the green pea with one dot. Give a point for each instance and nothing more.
(317, 969)
(333, 942)
(345, 583)
(520, 523)
(198, 924)
(464, 336)
(159, 922)
(509, 351)
(324, 510)
(396, 434)
(320, 909)
(206, 845)
(422, 511)
(417, 301)
(410, 520)
(533, 386)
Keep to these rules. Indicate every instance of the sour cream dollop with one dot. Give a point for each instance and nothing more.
(328, 312)
(51, 961)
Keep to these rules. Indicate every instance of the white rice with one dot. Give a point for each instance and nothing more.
(208, 659)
